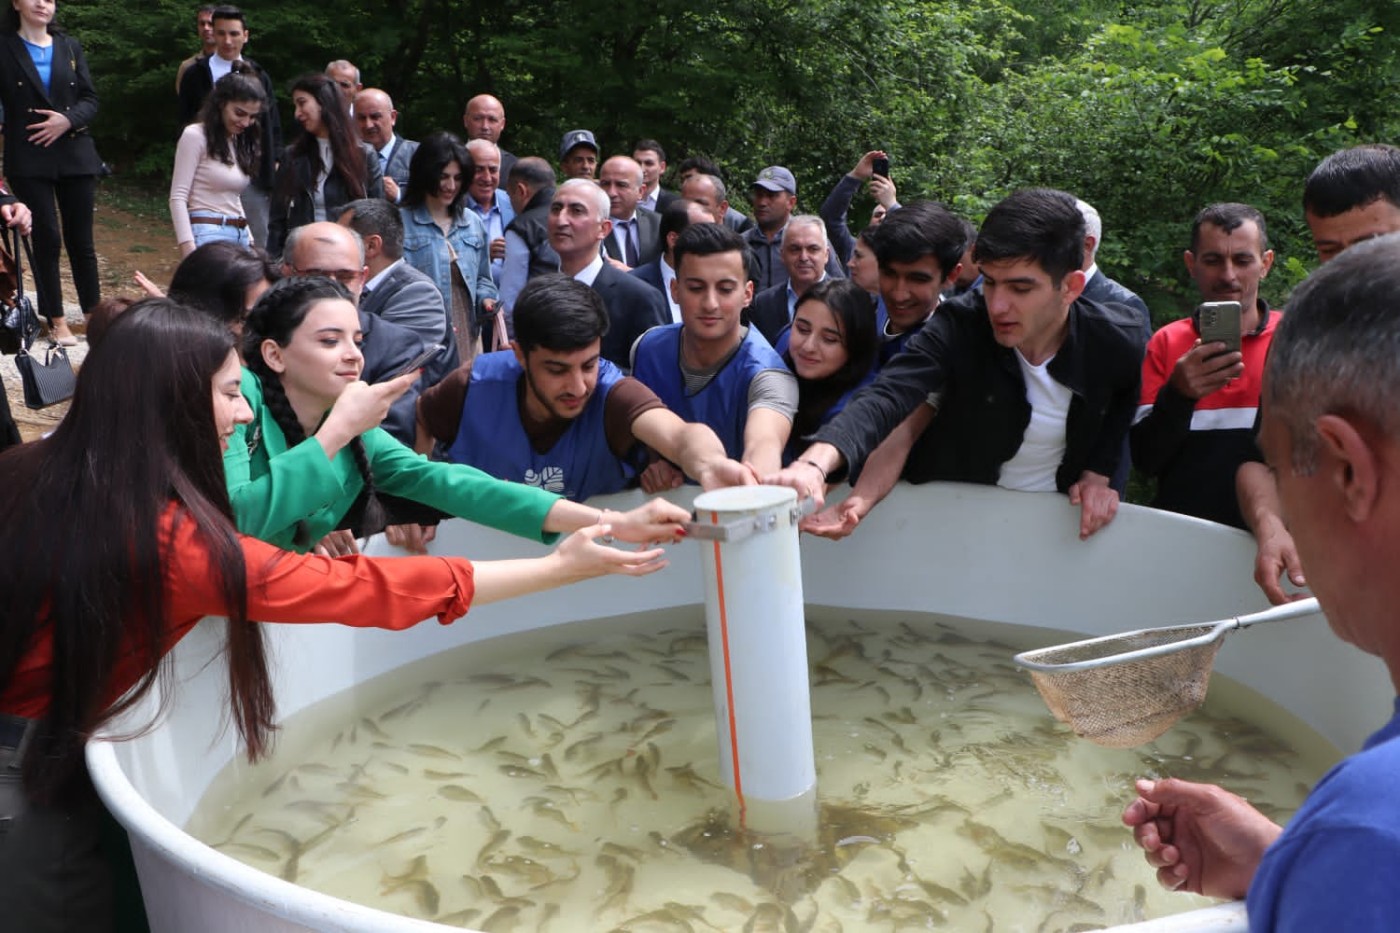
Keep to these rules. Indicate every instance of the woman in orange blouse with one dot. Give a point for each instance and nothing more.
(122, 539)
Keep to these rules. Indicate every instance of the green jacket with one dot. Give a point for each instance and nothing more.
(273, 488)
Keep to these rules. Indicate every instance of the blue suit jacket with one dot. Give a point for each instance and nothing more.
(650, 273)
(633, 308)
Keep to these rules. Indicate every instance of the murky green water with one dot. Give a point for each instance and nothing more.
(568, 780)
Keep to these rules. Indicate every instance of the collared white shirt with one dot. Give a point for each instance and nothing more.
(649, 199)
(668, 275)
(1089, 273)
(588, 273)
(373, 283)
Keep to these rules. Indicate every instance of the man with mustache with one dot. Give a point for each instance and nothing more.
(1199, 398)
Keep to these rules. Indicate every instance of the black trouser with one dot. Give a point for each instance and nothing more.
(9, 431)
(54, 875)
(74, 197)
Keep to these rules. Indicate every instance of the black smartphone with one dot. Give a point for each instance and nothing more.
(881, 167)
(419, 361)
(1219, 322)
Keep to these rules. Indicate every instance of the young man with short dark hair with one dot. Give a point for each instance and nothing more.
(710, 368)
(552, 412)
(1021, 385)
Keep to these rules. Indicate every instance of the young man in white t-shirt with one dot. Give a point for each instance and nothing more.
(1021, 385)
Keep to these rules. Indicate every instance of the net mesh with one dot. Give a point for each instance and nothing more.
(1124, 704)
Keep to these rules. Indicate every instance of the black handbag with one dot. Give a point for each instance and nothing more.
(48, 382)
(19, 325)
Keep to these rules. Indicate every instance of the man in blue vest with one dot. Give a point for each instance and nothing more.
(710, 368)
(551, 412)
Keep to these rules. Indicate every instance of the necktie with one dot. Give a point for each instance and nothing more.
(629, 243)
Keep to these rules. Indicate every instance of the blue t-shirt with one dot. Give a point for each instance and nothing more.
(42, 56)
(1337, 864)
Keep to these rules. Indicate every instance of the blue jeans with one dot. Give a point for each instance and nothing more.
(210, 233)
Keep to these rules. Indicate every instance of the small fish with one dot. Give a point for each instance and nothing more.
(433, 751)
(497, 840)
(581, 745)
(546, 810)
(543, 847)
(249, 849)
(432, 775)
(458, 793)
(373, 729)
(400, 837)
(502, 921)
(942, 894)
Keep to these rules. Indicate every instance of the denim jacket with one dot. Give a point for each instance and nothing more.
(425, 248)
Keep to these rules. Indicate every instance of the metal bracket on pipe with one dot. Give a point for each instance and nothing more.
(744, 527)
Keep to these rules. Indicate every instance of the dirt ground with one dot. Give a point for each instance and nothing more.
(130, 235)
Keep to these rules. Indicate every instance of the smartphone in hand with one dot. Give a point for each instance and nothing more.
(419, 361)
(880, 166)
(1219, 322)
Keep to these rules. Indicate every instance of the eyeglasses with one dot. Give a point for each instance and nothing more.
(343, 276)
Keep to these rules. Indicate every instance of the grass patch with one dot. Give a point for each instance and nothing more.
(149, 200)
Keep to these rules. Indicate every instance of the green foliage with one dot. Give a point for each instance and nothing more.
(1149, 110)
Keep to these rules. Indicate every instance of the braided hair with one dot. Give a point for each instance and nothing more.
(276, 316)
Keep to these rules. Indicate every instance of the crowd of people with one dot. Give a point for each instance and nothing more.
(378, 333)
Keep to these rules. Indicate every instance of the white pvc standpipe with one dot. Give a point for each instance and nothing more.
(758, 655)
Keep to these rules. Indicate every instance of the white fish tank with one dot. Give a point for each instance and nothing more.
(566, 777)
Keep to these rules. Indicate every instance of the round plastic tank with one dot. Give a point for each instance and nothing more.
(972, 551)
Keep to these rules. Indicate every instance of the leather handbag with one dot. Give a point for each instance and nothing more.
(48, 382)
(19, 325)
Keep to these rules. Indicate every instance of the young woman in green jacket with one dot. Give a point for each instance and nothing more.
(314, 442)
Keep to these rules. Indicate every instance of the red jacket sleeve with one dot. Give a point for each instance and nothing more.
(375, 592)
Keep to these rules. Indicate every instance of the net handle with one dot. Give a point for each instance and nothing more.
(1218, 629)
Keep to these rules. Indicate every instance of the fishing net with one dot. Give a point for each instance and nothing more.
(1125, 690)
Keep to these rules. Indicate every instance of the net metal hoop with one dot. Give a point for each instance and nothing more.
(1042, 660)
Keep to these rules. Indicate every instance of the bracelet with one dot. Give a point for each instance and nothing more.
(605, 539)
(814, 465)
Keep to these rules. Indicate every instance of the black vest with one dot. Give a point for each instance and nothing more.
(532, 226)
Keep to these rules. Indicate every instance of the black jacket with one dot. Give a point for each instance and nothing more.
(196, 85)
(70, 93)
(981, 395)
(299, 208)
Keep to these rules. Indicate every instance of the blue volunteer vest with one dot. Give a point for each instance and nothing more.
(492, 438)
(724, 403)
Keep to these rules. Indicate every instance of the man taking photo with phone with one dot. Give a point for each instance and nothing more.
(1194, 425)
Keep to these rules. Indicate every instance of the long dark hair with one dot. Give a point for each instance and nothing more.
(434, 152)
(278, 313)
(238, 86)
(215, 278)
(83, 536)
(347, 159)
(854, 311)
